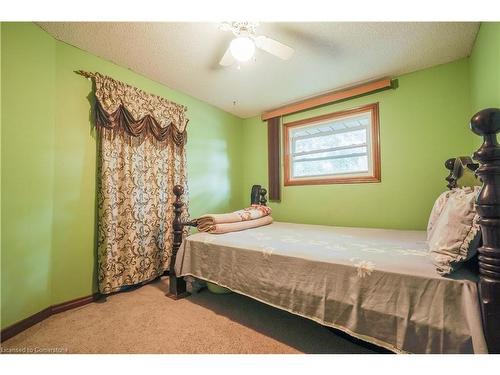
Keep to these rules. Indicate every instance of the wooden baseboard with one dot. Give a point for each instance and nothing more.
(30, 321)
(73, 304)
(18, 327)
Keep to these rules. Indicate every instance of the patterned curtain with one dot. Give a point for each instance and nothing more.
(141, 140)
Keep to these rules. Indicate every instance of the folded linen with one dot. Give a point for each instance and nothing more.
(250, 213)
(237, 226)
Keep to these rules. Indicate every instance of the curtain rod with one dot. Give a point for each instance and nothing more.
(330, 97)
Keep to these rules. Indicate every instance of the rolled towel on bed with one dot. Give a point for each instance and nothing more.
(253, 212)
(237, 226)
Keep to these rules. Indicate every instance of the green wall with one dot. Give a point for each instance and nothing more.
(485, 68)
(422, 123)
(28, 140)
(48, 167)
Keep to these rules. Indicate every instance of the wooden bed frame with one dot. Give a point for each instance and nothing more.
(454, 175)
(485, 123)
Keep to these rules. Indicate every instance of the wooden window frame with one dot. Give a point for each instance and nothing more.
(375, 149)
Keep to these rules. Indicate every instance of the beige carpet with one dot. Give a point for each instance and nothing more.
(143, 320)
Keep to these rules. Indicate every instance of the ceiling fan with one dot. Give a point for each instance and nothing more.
(242, 47)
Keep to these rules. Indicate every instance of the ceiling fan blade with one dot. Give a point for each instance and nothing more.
(274, 47)
(227, 59)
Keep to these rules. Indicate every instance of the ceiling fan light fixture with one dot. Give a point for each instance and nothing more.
(242, 48)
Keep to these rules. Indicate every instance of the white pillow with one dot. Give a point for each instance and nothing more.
(455, 235)
(436, 211)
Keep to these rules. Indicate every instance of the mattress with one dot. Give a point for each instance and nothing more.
(378, 285)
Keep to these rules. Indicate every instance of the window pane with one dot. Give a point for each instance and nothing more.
(331, 140)
(347, 151)
(339, 145)
(356, 164)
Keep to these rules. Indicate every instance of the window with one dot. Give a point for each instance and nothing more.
(337, 148)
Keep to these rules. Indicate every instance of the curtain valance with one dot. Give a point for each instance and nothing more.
(121, 107)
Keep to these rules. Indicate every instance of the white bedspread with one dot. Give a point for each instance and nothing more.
(378, 285)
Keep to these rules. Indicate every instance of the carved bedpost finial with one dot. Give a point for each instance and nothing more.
(487, 124)
(452, 181)
(178, 191)
(263, 199)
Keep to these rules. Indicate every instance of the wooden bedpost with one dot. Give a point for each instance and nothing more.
(452, 181)
(457, 166)
(263, 199)
(177, 285)
(254, 194)
(486, 123)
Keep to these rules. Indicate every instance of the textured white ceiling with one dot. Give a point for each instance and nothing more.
(328, 55)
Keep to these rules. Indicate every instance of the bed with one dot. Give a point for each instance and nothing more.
(378, 285)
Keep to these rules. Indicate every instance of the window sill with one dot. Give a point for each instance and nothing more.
(333, 181)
